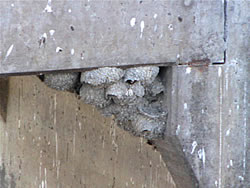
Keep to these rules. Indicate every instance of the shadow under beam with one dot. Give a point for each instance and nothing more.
(4, 93)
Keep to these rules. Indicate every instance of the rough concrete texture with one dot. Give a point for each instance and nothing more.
(126, 99)
(51, 139)
(209, 115)
(62, 81)
(207, 138)
(46, 35)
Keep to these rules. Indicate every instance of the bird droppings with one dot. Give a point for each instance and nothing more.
(9, 50)
(132, 22)
(48, 7)
(142, 25)
(134, 96)
(170, 27)
(51, 32)
(58, 49)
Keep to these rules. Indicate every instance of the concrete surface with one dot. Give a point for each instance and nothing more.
(50, 35)
(209, 113)
(52, 139)
(207, 140)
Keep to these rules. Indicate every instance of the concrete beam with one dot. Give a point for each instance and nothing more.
(209, 113)
(38, 36)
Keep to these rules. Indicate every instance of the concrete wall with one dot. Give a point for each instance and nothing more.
(207, 138)
(52, 139)
(107, 33)
(209, 112)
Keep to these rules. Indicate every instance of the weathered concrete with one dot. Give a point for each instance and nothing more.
(209, 113)
(50, 35)
(206, 142)
(52, 139)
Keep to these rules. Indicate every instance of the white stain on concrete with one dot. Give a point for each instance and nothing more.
(171, 27)
(155, 16)
(142, 25)
(178, 130)
(48, 7)
(231, 162)
(58, 49)
(216, 183)
(241, 178)
(9, 51)
(188, 70)
(42, 184)
(12, 5)
(194, 145)
(202, 155)
(185, 106)
(51, 32)
(228, 132)
(219, 71)
(69, 11)
(72, 51)
(132, 22)
(44, 35)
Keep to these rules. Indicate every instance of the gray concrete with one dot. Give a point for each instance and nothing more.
(51, 139)
(207, 140)
(209, 113)
(49, 35)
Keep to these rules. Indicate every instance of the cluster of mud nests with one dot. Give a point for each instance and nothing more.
(134, 96)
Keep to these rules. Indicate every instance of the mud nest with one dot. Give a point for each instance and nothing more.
(134, 96)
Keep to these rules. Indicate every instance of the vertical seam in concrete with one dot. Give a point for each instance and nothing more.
(220, 130)
(245, 128)
(225, 30)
